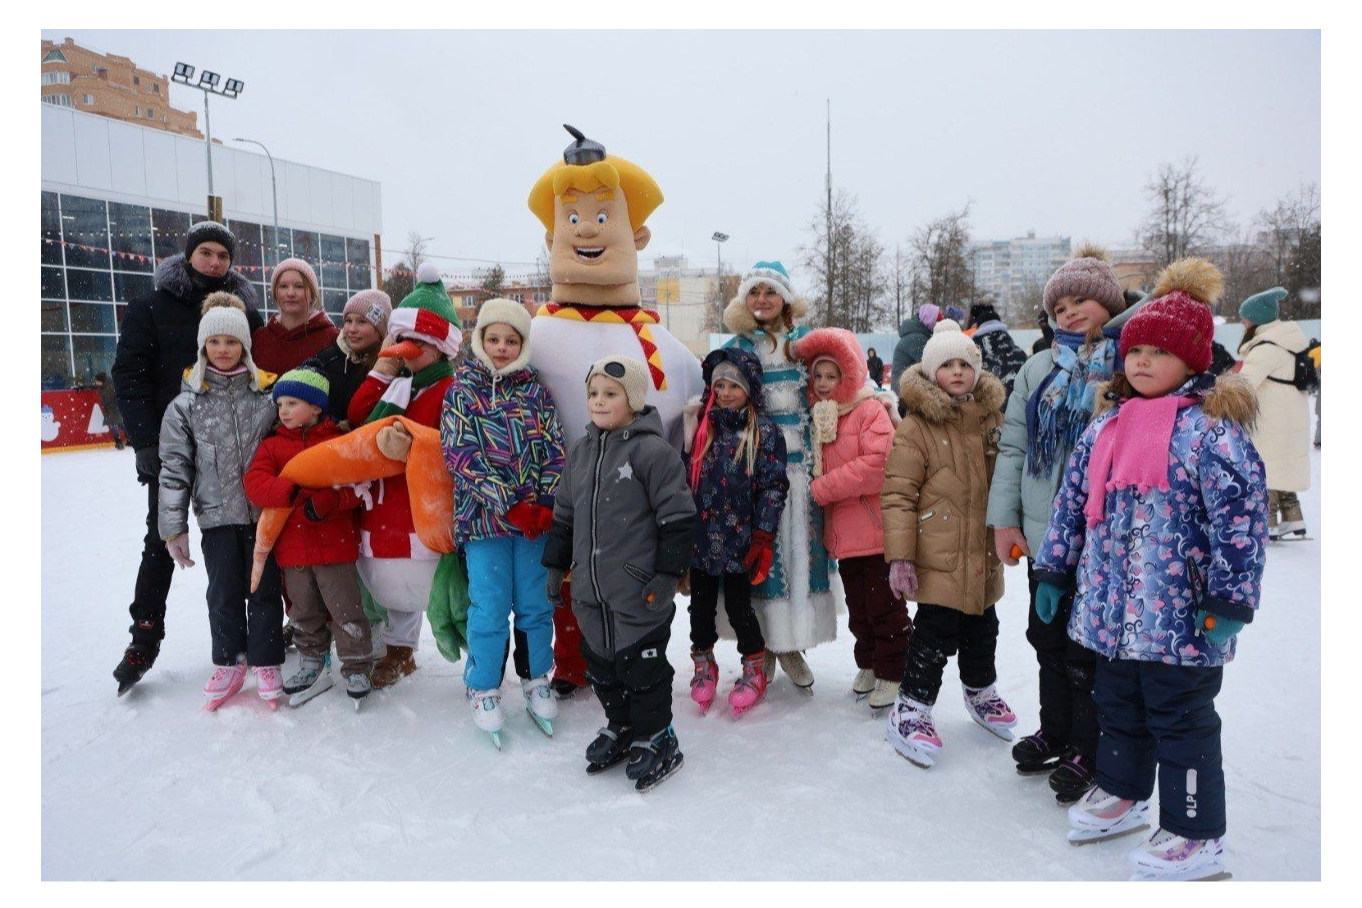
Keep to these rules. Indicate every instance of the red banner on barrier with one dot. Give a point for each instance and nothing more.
(73, 418)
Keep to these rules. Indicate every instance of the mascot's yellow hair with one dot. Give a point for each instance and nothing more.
(641, 192)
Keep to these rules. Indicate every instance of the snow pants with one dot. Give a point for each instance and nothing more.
(635, 685)
(568, 663)
(704, 606)
(148, 607)
(331, 591)
(938, 633)
(878, 620)
(505, 578)
(244, 625)
(1068, 714)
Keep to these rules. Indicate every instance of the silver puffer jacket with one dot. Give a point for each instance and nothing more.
(208, 439)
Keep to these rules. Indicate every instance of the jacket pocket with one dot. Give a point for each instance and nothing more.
(938, 538)
(207, 483)
(637, 573)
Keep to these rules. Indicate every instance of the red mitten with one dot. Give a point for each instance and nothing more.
(530, 519)
(757, 561)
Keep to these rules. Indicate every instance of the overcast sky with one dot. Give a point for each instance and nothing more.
(1056, 132)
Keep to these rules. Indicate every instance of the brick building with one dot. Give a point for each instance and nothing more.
(110, 86)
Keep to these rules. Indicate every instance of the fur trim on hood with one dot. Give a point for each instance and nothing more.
(173, 276)
(922, 395)
(1230, 398)
(498, 311)
(843, 348)
(739, 319)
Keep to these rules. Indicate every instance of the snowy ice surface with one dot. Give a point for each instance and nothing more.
(803, 787)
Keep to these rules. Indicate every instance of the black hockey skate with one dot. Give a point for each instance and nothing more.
(1072, 779)
(564, 688)
(1036, 753)
(140, 655)
(652, 761)
(610, 749)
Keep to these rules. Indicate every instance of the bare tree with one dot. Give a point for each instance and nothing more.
(1187, 217)
(493, 282)
(1246, 266)
(899, 280)
(939, 262)
(400, 282)
(828, 258)
(865, 281)
(1290, 236)
(416, 249)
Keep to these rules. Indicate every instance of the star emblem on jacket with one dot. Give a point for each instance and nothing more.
(626, 471)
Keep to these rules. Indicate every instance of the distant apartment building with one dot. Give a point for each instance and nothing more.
(1014, 270)
(110, 86)
(1136, 269)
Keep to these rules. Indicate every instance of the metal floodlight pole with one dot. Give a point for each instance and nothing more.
(274, 190)
(719, 239)
(208, 83)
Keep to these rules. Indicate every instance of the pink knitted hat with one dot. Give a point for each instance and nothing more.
(374, 305)
(303, 268)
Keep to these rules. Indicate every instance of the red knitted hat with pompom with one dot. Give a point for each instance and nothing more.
(1178, 323)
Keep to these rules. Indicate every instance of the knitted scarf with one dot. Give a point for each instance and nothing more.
(1132, 450)
(823, 427)
(401, 390)
(1061, 407)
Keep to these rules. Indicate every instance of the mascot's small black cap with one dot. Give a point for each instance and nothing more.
(582, 150)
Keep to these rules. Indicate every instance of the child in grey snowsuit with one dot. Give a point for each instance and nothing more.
(624, 524)
(208, 438)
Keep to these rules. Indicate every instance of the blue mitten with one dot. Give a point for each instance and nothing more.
(1047, 601)
(1216, 628)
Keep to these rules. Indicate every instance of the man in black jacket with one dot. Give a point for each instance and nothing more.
(157, 342)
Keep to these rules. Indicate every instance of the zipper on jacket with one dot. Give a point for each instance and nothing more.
(595, 581)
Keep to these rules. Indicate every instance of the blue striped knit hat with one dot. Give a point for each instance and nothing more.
(304, 383)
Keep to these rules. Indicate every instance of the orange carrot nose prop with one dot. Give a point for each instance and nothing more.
(404, 349)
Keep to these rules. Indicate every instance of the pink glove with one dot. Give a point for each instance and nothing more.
(179, 550)
(902, 579)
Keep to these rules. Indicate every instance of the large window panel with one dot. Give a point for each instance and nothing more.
(277, 246)
(54, 316)
(128, 287)
(51, 230)
(357, 254)
(130, 235)
(54, 285)
(56, 361)
(89, 285)
(92, 318)
(335, 300)
(249, 256)
(332, 271)
(306, 246)
(85, 222)
(170, 228)
(91, 355)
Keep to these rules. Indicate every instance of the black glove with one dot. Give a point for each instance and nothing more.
(659, 592)
(149, 466)
(554, 588)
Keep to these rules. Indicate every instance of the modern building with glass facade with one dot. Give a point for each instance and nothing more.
(117, 198)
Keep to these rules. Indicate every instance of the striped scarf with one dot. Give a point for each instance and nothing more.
(1062, 405)
(398, 397)
(638, 319)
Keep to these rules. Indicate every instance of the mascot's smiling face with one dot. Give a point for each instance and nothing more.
(592, 241)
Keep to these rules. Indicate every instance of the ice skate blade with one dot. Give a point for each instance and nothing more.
(1205, 875)
(995, 730)
(544, 725)
(595, 769)
(1089, 836)
(1291, 539)
(657, 777)
(704, 706)
(320, 686)
(1036, 769)
(496, 738)
(861, 695)
(212, 705)
(918, 756)
(125, 686)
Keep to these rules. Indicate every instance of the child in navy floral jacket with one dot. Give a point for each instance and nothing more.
(737, 473)
(1161, 523)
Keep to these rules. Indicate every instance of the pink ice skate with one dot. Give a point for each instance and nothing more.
(990, 711)
(751, 687)
(705, 685)
(269, 684)
(224, 684)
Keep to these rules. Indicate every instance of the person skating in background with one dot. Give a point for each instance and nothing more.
(1159, 533)
(1315, 354)
(737, 472)
(914, 333)
(348, 361)
(1002, 356)
(113, 417)
(1282, 433)
(301, 328)
(1047, 332)
(626, 483)
(875, 368)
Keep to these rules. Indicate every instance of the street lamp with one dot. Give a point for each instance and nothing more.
(719, 239)
(274, 191)
(208, 83)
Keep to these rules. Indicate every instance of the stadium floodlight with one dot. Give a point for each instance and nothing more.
(208, 84)
(183, 72)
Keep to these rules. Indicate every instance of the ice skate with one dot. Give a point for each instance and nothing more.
(563, 689)
(268, 683)
(136, 662)
(312, 678)
(990, 711)
(1072, 778)
(751, 687)
(539, 703)
(224, 684)
(704, 686)
(912, 732)
(863, 683)
(1165, 856)
(357, 687)
(1037, 753)
(610, 748)
(793, 664)
(652, 761)
(1099, 816)
(487, 714)
(1289, 531)
(884, 694)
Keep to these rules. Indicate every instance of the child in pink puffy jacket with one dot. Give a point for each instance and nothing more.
(852, 435)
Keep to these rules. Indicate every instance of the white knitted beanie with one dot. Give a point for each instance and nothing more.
(948, 342)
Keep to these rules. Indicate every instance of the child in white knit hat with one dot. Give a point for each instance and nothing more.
(935, 539)
(208, 439)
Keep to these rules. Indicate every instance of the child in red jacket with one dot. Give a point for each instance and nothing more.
(318, 547)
